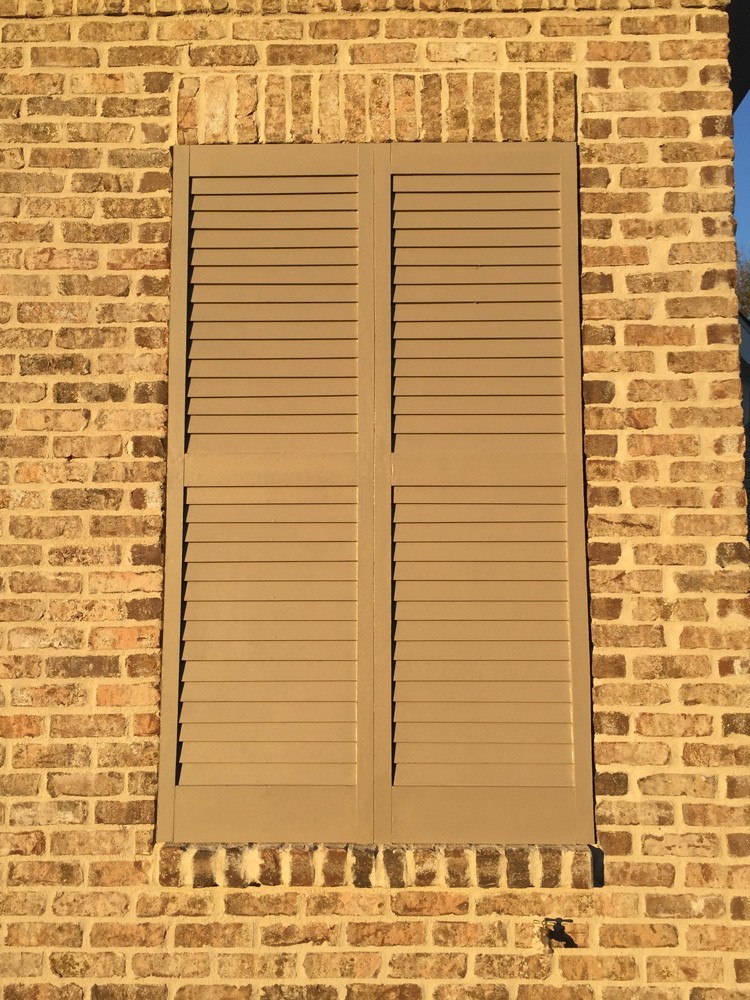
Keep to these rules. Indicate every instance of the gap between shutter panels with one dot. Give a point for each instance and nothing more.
(482, 684)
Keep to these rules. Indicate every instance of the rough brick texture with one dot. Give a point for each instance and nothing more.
(90, 106)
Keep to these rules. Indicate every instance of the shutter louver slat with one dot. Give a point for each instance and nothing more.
(301, 184)
(220, 714)
(269, 572)
(292, 221)
(492, 611)
(272, 312)
(478, 219)
(249, 330)
(537, 329)
(477, 240)
(493, 256)
(237, 734)
(280, 349)
(279, 275)
(307, 246)
(473, 670)
(479, 753)
(283, 610)
(487, 775)
(300, 690)
(268, 752)
(242, 671)
(442, 312)
(473, 275)
(284, 206)
(278, 368)
(475, 182)
(482, 696)
(294, 774)
(473, 201)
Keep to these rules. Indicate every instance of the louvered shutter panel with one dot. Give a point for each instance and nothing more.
(490, 692)
(266, 503)
(375, 485)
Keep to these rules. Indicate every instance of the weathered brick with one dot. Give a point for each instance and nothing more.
(83, 244)
(302, 55)
(283, 935)
(382, 935)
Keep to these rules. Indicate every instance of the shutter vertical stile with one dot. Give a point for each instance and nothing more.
(491, 740)
(170, 673)
(268, 502)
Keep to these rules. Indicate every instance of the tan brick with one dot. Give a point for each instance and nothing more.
(561, 26)
(342, 965)
(363, 27)
(224, 55)
(628, 873)
(343, 903)
(657, 127)
(83, 842)
(374, 991)
(480, 991)
(22, 843)
(709, 937)
(416, 965)
(493, 27)
(282, 965)
(142, 55)
(278, 935)
(663, 24)
(689, 845)
(119, 873)
(63, 55)
(25, 935)
(589, 968)
(635, 813)
(72, 965)
(302, 55)
(508, 967)
(128, 935)
(429, 903)
(657, 78)
(685, 905)
(539, 52)
(382, 934)
(213, 993)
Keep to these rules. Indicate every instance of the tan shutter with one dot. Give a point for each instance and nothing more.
(375, 486)
(274, 716)
(490, 694)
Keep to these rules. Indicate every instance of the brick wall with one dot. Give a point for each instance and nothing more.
(93, 95)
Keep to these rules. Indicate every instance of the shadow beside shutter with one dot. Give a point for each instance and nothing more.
(269, 728)
(489, 592)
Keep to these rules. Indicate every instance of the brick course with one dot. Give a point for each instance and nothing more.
(94, 94)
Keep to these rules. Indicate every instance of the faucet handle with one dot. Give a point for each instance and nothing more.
(557, 931)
